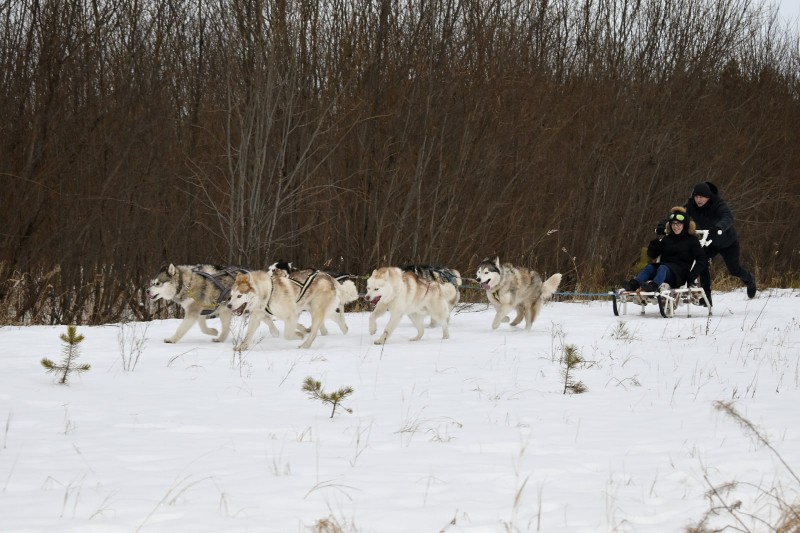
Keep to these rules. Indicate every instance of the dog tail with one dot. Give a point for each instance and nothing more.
(550, 285)
(346, 291)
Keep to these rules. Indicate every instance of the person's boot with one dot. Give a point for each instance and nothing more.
(630, 285)
(650, 286)
(708, 297)
(751, 287)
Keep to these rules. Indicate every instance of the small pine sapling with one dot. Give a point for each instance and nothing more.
(572, 358)
(314, 390)
(71, 340)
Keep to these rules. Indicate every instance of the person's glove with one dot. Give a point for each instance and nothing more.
(661, 229)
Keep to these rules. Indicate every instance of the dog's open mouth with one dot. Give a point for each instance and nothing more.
(240, 310)
(374, 301)
(486, 286)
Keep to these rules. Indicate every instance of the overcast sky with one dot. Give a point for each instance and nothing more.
(790, 8)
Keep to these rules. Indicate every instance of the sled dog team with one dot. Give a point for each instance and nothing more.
(283, 292)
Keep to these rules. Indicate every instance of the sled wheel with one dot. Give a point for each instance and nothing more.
(614, 302)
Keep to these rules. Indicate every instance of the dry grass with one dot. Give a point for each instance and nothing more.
(723, 501)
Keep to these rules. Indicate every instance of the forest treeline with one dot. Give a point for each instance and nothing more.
(361, 133)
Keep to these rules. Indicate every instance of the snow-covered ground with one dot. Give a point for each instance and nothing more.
(469, 434)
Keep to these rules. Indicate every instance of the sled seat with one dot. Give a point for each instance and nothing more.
(688, 295)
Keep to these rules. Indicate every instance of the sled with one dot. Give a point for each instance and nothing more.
(667, 301)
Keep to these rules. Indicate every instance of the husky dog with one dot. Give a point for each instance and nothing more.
(347, 291)
(199, 289)
(439, 275)
(508, 287)
(404, 293)
(280, 264)
(263, 294)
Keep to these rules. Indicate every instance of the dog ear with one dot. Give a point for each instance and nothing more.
(497, 262)
(171, 269)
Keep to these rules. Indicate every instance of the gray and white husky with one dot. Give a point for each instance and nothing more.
(200, 290)
(508, 287)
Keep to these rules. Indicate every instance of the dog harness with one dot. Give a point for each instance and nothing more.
(224, 292)
(304, 285)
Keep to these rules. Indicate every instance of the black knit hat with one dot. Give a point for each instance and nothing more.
(702, 189)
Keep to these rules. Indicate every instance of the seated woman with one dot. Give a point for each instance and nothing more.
(682, 258)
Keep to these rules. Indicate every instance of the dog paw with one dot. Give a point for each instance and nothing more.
(171, 340)
(505, 319)
(381, 340)
(240, 347)
(372, 329)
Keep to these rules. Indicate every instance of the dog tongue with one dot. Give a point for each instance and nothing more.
(485, 286)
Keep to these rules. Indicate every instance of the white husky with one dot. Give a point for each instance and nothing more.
(508, 287)
(404, 293)
(348, 290)
(264, 295)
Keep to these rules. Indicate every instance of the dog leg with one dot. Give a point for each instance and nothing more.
(204, 327)
(320, 309)
(273, 329)
(252, 327)
(442, 317)
(501, 316)
(418, 320)
(290, 329)
(520, 315)
(378, 312)
(316, 324)
(498, 307)
(394, 320)
(535, 308)
(445, 329)
(225, 317)
(338, 317)
(185, 325)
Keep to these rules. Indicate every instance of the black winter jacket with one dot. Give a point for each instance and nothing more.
(678, 252)
(715, 215)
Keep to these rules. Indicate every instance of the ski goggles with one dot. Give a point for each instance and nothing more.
(677, 217)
